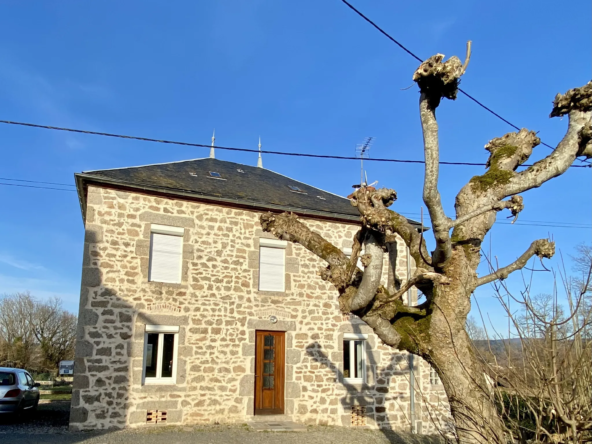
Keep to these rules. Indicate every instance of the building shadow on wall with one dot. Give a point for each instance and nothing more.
(109, 362)
(375, 394)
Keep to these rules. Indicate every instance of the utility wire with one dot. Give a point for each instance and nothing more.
(411, 214)
(383, 32)
(36, 181)
(32, 186)
(248, 150)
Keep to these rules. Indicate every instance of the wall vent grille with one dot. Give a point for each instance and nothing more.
(358, 416)
(156, 416)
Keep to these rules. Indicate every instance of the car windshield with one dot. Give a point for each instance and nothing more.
(6, 378)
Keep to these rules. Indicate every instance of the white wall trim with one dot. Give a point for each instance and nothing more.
(165, 229)
(273, 243)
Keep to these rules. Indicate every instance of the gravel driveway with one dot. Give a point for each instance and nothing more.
(50, 426)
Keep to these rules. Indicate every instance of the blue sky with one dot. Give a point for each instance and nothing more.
(306, 76)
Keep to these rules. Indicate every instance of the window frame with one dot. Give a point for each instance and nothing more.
(434, 377)
(348, 252)
(161, 330)
(275, 244)
(352, 337)
(167, 231)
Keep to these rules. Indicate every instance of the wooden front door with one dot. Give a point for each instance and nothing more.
(269, 373)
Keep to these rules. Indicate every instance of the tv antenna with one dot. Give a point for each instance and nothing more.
(362, 150)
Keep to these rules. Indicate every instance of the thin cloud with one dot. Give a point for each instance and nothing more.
(19, 263)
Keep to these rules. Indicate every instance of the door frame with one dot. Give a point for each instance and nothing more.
(279, 371)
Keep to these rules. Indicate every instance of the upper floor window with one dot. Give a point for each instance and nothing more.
(160, 354)
(272, 264)
(354, 358)
(166, 253)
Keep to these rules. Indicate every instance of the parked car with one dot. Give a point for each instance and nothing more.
(18, 391)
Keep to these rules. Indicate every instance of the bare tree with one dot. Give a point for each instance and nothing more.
(544, 391)
(35, 334)
(55, 331)
(436, 328)
(16, 330)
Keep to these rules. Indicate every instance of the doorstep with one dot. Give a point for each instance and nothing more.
(276, 425)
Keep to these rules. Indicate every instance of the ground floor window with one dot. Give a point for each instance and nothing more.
(160, 354)
(434, 378)
(354, 358)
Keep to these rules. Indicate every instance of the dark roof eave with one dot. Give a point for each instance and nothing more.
(83, 179)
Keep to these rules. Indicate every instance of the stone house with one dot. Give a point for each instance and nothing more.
(190, 313)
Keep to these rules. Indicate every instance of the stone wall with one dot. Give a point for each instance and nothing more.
(218, 308)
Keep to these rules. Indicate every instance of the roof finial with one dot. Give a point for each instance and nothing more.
(259, 161)
(212, 154)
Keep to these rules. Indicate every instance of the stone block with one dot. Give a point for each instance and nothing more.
(157, 405)
(292, 390)
(248, 349)
(174, 416)
(93, 234)
(80, 382)
(84, 349)
(137, 417)
(78, 415)
(167, 219)
(293, 356)
(246, 385)
(91, 277)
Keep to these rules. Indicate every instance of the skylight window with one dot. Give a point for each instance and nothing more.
(215, 175)
(193, 174)
(321, 197)
(239, 170)
(295, 188)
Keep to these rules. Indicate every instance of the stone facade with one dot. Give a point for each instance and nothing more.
(218, 308)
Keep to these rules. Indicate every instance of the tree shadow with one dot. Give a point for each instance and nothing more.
(375, 392)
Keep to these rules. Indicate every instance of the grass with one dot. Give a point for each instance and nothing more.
(57, 397)
(63, 388)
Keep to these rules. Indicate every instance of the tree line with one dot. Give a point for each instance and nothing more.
(35, 335)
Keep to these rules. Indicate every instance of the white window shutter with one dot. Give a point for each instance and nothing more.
(271, 269)
(166, 258)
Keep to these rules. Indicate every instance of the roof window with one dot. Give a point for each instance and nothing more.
(193, 174)
(296, 189)
(239, 170)
(215, 175)
(321, 197)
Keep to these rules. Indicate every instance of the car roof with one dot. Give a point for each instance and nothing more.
(13, 370)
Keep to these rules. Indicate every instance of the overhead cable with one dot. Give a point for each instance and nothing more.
(248, 150)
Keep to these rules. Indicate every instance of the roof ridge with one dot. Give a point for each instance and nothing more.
(164, 163)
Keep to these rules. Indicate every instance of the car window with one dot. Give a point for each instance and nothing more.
(22, 379)
(29, 380)
(7, 378)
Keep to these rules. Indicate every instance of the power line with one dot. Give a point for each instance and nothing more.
(36, 181)
(248, 150)
(411, 214)
(383, 32)
(32, 186)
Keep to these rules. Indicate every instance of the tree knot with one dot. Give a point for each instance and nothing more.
(437, 79)
(544, 248)
(577, 99)
(511, 150)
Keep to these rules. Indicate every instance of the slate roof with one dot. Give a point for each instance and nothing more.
(238, 184)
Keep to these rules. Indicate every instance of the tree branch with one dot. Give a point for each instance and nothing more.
(372, 205)
(436, 80)
(431, 195)
(541, 248)
(515, 204)
(372, 274)
(577, 103)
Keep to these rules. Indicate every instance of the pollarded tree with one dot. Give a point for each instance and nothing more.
(435, 329)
